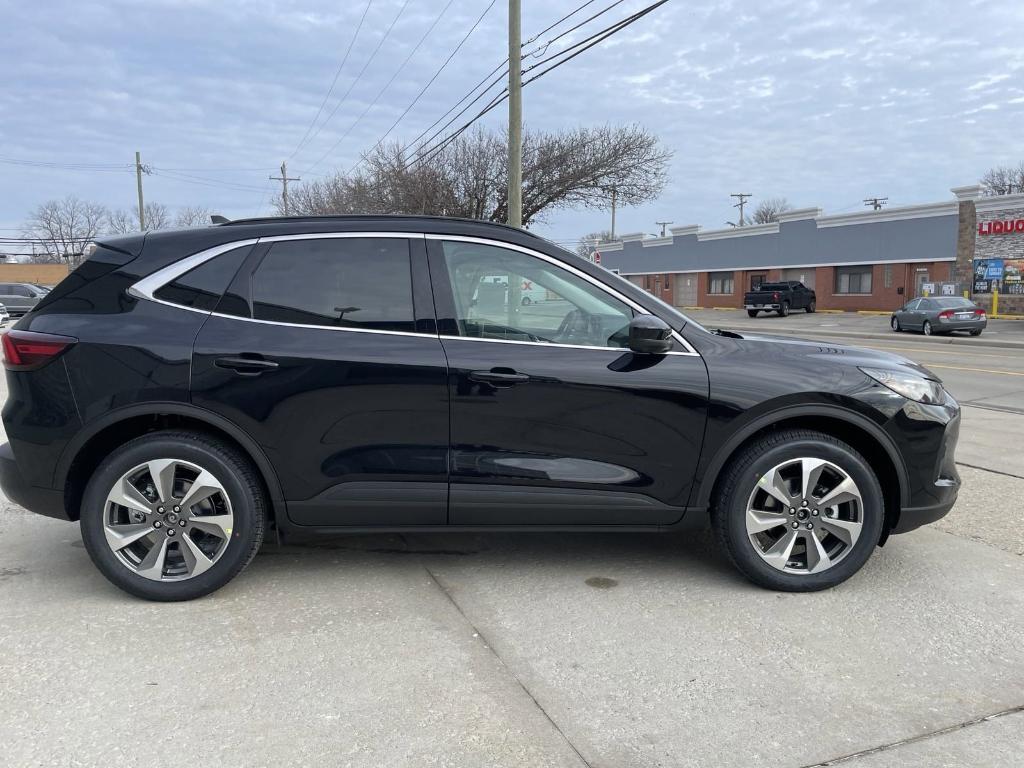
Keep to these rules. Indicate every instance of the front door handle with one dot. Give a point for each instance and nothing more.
(499, 377)
(245, 366)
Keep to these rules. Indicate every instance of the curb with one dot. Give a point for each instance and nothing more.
(954, 340)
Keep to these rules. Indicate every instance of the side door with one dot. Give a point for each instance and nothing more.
(325, 350)
(910, 316)
(553, 420)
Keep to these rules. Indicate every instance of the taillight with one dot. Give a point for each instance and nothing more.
(945, 314)
(775, 296)
(979, 312)
(25, 350)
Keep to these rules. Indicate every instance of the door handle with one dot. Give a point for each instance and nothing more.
(499, 377)
(245, 366)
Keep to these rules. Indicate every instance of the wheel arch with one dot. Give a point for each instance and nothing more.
(83, 454)
(860, 433)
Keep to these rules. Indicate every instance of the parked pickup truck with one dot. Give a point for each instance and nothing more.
(779, 297)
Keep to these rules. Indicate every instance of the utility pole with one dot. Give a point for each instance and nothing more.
(876, 203)
(615, 193)
(742, 197)
(515, 115)
(138, 183)
(284, 179)
(663, 224)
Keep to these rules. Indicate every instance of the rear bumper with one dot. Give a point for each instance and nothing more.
(42, 501)
(961, 325)
(766, 307)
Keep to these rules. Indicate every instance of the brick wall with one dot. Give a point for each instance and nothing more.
(882, 297)
(41, 274)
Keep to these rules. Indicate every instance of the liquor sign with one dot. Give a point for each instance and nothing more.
(1001, 227)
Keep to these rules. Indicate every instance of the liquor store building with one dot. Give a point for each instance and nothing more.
(868, 260)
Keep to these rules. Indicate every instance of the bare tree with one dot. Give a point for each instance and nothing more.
(1003, 180)
(122, 222)
(589, 242)
(63, 227)
(468, 177)
(768, 210)
(192, 216)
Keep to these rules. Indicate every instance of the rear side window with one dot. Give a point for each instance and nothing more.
(201, 287)
(359, 282)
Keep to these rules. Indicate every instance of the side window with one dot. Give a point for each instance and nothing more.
(504, 294)
(351, 282)
(20, 290)
(201, 287)
(913, 305)
(5, 289)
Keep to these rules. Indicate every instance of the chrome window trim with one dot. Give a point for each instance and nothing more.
(690, 351)
(147, 287)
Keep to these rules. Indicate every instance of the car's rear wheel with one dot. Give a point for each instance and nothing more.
(798, 511)
(784, 309)
(976, 332)
(895, 323)
(173, 515)
(751, 313)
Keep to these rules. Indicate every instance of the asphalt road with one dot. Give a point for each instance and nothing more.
(531, 649)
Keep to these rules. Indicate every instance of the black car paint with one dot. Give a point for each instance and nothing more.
(350, 431)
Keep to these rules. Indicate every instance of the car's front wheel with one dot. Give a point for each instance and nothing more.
(173, 515)
(798, 511)
(895, 323)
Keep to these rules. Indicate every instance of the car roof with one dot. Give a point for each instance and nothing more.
(386, 219)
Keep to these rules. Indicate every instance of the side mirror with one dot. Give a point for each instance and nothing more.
(649, 335)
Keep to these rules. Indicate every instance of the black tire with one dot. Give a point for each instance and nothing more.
(232, 469)
(752, 313)
(526, 301)
(811, 307)
(784, 309)
(895, 323)
(926, 328)
(976, 332)
(738, 480)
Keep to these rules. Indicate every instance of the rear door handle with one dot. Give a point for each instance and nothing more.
(499, 377)
(245, 366)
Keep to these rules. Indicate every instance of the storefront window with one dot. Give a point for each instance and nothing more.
(720, 282)
(853, 280)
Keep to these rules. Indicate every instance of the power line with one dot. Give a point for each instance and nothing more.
(430, 82)
(876, 203)
(359, 75)
(503, 73)
(742, 197)
(583, 46)
(334, 82)
(386, 85)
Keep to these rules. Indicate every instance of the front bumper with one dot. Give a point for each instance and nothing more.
(42, 501)
(934, 498)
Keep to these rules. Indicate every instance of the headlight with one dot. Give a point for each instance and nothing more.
(911, 386)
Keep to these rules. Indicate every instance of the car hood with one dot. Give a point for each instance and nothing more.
(841, 354)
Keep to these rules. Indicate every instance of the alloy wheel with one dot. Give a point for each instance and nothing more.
(804, 515)
(168, 520)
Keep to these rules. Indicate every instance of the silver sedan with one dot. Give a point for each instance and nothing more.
(940, 314)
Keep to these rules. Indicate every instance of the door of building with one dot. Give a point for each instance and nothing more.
(686, 290)
(920, 278)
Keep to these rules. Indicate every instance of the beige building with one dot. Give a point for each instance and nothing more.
(40, 274)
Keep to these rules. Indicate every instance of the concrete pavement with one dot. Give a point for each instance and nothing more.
(530, 650)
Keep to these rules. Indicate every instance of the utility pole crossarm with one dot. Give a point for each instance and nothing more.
(138, 181)
(876, 203)
(742, 197)
(284, 179)
(663, 224)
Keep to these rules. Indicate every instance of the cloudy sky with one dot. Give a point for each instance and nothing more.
(824, 103)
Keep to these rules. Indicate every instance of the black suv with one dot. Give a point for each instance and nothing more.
(182, 393)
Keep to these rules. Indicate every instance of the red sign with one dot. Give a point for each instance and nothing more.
(1010, 226)
(597, 257)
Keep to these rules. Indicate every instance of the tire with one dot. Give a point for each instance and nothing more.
(926, 329)
(895, 323)
(752, 313)
(976, 332)
(811, 308)
(784, 309)
(228, 539)
(742, 484)
(526, 301)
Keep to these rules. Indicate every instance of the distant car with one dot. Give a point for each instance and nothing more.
(940, 314)
(21, 298)
(4, 315)
(780, 297)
